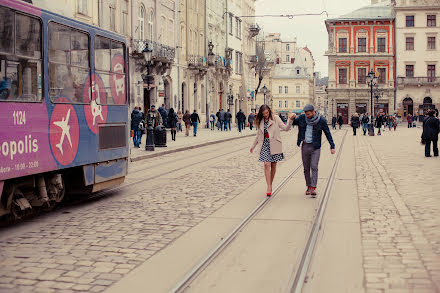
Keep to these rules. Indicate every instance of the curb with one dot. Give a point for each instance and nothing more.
(181, 149)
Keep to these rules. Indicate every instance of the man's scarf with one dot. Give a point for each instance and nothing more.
(314, 120)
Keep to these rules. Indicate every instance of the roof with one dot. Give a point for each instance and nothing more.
(382, 10)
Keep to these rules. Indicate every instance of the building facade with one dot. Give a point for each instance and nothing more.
(359, 42)
(418, 56)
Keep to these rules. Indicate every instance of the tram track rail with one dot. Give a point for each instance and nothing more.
(301, 272)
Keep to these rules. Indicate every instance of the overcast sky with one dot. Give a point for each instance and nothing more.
(309, 30)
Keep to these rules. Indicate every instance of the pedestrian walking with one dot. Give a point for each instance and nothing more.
(163, 112)
(241, 120)
(395, 123)
(154, 116)
(251, 119)
(172, 123)
(340, 121)
(218, 119)
(212, 120)
(179, 121)
(409, 120)
(365, 120)
(222, 118)
(142, 126)
(355, 122)
(334, 121)
(268, 142)
(311, 125)
(379, 123)
(187, 120)
(195, 120)
(228, 118)
(431, 129)
(136, 119)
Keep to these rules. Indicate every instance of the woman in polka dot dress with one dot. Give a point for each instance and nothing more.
(268, 142)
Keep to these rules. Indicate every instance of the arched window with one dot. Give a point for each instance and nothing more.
(150, 25)
(141, 25)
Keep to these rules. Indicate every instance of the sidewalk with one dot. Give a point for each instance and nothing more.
(204, 137)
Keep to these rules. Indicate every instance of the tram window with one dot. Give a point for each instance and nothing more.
(28, 37)
(6, 30)
(20, 57)
(110, 66)
(69, 66)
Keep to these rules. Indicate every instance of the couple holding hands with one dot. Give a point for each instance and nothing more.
(268, 143)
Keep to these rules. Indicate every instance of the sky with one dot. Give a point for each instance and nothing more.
(310, 31)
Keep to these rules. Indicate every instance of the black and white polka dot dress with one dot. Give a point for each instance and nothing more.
(265, 155)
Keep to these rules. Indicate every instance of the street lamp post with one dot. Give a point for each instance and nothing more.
(371, 80)
(264, 90)
(211, 62)
(333, 101)
(149, 145)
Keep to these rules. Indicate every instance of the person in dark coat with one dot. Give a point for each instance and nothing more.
(241, 119)
(222, 119)
(172, 123)
(334, 121)
(228, 118)
(379, 122)
(365, 121)
(195, 120)
(163, 112)
(251, 120)
(410, 120)
(136, 119)
(340, 121)
(431, 129)
(355, 122)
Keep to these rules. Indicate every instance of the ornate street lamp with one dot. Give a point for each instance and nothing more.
(211, 55)
(371, 81)
(264, 90)
(148, 52)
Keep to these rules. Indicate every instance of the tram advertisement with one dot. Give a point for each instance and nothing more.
(24, 141)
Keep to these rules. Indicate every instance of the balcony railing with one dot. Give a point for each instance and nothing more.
(253, 59)
(197, 61)
(418, 81)
(160, 51)
(254, 30)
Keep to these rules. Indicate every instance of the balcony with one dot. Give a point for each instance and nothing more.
(161, 53)
(253, 59)
(197, 62)
(418, 81)
(254, 30)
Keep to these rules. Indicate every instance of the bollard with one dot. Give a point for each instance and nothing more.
(149, 146)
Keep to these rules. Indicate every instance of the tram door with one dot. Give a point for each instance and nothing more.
(343, 111)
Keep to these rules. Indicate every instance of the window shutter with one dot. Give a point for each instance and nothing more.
(292, 60)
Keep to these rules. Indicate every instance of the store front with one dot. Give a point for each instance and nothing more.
(343, 111)
(408, 107)
(361, 108)
(381, 108)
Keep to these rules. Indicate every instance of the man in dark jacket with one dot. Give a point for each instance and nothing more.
(228, 117)
(251, 120)
(164, 113)
(334, 120)
(222, 119)
(340, 121)
(195, 120)
(136, 119)
(241, 119)
(379, 122)
(311, 125)
(355, 122)
(431, 129)
(365, 120)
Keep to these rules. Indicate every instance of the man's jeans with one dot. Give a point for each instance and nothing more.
(240, 126)
(428, 147)
(137, 137)
(228, 124)
(195, 124)
(365, 128)
(310, 158)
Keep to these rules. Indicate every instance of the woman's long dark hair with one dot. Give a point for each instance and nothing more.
(260, 117)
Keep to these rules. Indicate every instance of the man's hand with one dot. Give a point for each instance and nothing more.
(293, 117)
(333, 151)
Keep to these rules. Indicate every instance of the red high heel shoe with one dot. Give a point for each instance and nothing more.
(269, 193)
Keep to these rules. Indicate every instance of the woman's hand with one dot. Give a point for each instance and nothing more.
(293, 117)
(251, 150)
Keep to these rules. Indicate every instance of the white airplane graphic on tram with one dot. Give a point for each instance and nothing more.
(65, 127)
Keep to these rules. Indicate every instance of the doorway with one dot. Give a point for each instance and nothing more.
(408, 107)
(147, 102)
(343, 111)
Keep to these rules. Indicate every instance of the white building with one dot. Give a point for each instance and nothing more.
(417, 56)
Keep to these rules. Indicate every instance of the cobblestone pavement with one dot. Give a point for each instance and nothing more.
(399, 211)
(95, 245)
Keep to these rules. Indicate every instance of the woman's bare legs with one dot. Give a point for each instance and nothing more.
(268, 174)
(272, 172)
